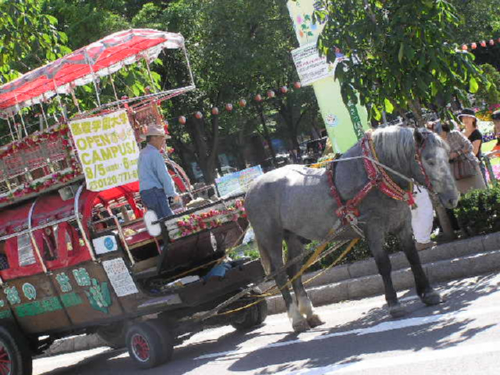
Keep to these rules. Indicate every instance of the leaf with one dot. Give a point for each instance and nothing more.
(401, 52)
(473, 85)
(389, 107)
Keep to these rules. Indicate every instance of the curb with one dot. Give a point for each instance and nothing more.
(449, 261)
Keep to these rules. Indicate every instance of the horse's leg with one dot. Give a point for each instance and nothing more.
(375, 236)
(271, 251)
(295, 248)
(424, 290)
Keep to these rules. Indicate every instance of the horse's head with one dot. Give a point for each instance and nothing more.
(433, 167)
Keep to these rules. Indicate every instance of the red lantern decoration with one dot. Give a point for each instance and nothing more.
(284, 89)
(215, 111)
(198, 115)
(492, 42)
(229, 107)
(297, 85)
(182, 120)
(483, 43)
(473, 45)
(243, 103)
(258, 98)
(271, 94)
(464, 47)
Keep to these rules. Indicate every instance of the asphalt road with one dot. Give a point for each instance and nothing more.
(460, 336)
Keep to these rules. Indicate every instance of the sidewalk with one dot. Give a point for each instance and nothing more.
(454, 260)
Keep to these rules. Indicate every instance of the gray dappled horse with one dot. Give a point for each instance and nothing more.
(294, 203)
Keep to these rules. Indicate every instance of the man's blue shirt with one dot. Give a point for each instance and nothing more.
(153, 172)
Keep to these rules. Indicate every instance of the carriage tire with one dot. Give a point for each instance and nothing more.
(15, 354)
(113, 335)
(252, 317)
(149, 344)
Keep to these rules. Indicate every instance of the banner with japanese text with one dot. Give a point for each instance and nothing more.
(345, 124)
(107, 150)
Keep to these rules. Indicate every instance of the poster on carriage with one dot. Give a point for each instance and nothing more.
(237, 182)
(107, 150)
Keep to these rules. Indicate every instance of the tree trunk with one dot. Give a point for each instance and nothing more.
(204, 156)
(267, 135)
(416, 108)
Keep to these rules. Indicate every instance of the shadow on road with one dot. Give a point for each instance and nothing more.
(341, 345)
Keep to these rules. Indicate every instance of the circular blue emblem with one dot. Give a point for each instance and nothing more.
(109, 243)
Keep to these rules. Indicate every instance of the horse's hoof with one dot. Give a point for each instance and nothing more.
(315, 321)
(301, 326)
(397, 311)
(432, 298)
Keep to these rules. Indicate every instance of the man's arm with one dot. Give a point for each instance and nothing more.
(164, 177)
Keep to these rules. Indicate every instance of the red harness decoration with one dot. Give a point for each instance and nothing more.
(377, 178)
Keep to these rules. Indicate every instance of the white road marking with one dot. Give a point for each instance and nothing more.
(382, 327)
(394, 361)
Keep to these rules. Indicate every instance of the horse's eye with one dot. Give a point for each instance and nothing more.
(431, 162)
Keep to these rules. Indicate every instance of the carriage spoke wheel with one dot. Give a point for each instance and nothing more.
(149, 343)
(140, 347)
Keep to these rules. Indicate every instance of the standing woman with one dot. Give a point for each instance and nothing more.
(469, 121)
(464, 164)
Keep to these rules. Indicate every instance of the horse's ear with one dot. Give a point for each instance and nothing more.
(419, 137)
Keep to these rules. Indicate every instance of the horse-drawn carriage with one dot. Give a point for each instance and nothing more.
(76, 255)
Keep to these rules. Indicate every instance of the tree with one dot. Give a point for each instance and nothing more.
(28, 38)
(400, 55)
(238, 49)
(478, 20)
(489, 95)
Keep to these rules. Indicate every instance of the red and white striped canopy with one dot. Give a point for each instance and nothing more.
(78, 68)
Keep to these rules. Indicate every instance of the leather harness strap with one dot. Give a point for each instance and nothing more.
(377, 178)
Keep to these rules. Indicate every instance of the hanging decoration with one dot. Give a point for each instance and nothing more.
(483, 44)
(242, 103)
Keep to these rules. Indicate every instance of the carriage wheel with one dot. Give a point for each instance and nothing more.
(253, 316)
(149, 344)
(15, 355)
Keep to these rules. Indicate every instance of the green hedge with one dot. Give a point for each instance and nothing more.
(478, 212)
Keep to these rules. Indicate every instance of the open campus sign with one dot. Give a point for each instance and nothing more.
(107, 150)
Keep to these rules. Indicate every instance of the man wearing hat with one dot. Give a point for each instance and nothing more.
(155, 183)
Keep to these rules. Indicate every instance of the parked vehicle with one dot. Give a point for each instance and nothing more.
(77, 258)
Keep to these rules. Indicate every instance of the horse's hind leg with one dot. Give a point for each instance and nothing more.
(271, 250)
(295, 248)
(424, 290)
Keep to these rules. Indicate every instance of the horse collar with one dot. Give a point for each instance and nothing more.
(377, 178)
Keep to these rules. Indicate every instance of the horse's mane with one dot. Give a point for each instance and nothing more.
(395, 145)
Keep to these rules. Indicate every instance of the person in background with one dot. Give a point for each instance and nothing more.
(460, 146)
(469, 121)
(155, 183)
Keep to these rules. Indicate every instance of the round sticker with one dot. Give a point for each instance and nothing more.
(109, 243)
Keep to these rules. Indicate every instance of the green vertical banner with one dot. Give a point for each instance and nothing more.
(345, 124)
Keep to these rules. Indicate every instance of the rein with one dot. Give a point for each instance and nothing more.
(377, 178)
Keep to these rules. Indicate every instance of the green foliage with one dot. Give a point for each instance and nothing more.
(28, 38)
(479, 20)
(400, 55)
(478, 212)
(489, 95)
